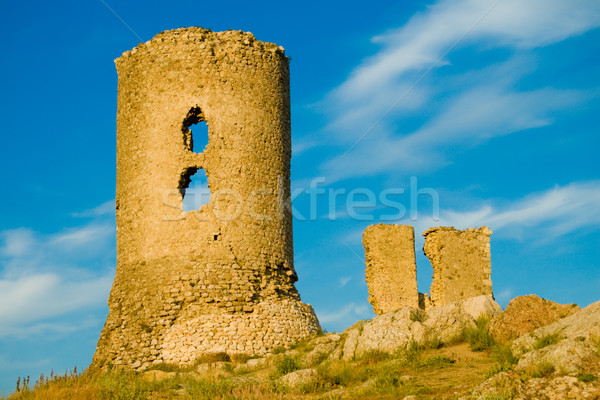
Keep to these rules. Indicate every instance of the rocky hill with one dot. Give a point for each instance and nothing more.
(535, 349)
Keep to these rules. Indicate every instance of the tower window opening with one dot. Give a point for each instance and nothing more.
(193, 187)
(195, 131)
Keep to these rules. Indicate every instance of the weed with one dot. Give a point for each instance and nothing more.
(433, 343)
(278, 350)
(479, 338)
(239, 358)
(374, 356)
(286, 364)
(437, 361)
(416, 316)
(165, 367)
(228, 368)
(596, 341)
(340, 373)
(411, 354)
(320, 358)
(587, 378)
(547, 340)
(542, 369)
(213, 357)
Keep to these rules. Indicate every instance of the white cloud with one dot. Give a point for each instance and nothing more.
(82, 237)
(26, 301)
(106, 208)
(548, 214)
(345, 316)
(462, 110)
(17, 242)
(344, 280)
(428, 35)
(503, 296)
(46, 278)
(556, 212)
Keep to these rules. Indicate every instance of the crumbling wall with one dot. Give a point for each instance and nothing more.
(220, 278)
(461, 263)
(391, 269)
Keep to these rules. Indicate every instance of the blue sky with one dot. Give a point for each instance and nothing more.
(460, 113)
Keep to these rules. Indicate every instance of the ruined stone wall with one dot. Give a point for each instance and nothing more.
(220, 278)
(391, 269)
(461, 263)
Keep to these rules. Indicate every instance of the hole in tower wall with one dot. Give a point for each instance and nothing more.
(193, 187)
(195, 130)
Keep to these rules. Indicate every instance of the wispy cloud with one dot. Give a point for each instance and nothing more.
(26, 301)
(465, 109)
(344, 280)
(547, 214)
(426, 36)
(555, 212)
(106, 208)
(344, 316)
(46, 277)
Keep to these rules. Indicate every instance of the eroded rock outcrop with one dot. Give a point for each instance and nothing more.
(526, 313)
(396, 329)
(562, 352)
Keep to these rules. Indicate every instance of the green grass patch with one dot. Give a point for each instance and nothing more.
(206, 358)
(547, 340)
(278, 350)
(437, 361)
(479, 338)
(587, 378)
(372, 357)
(287, 364)
(542, 369)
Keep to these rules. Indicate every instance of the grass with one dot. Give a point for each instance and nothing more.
(287, 364)
(541, 370)
(505, 359)
(416, 316)
(206, 358)
(596, 341)
(479, 338)
(587, 378)
(414, 370)
(547, 340)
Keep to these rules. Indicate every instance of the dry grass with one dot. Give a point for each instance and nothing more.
(427, 373)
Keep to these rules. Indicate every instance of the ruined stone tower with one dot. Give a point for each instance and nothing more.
(220, 278)
(391, 269)
(461, 263)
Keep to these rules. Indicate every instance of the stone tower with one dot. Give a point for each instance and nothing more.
(220, 278)
(461, 263)
(391, 268)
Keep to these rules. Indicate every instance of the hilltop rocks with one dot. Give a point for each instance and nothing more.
(397, 329)
(561, 351)
(506, 385)
(299, 378)
(582, 325)
(568, 356)
(574, 348)
(526, 313)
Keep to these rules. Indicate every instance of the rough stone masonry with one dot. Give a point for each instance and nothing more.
(461, 263)
(460, 259)
(391, 268)
(220, 278)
